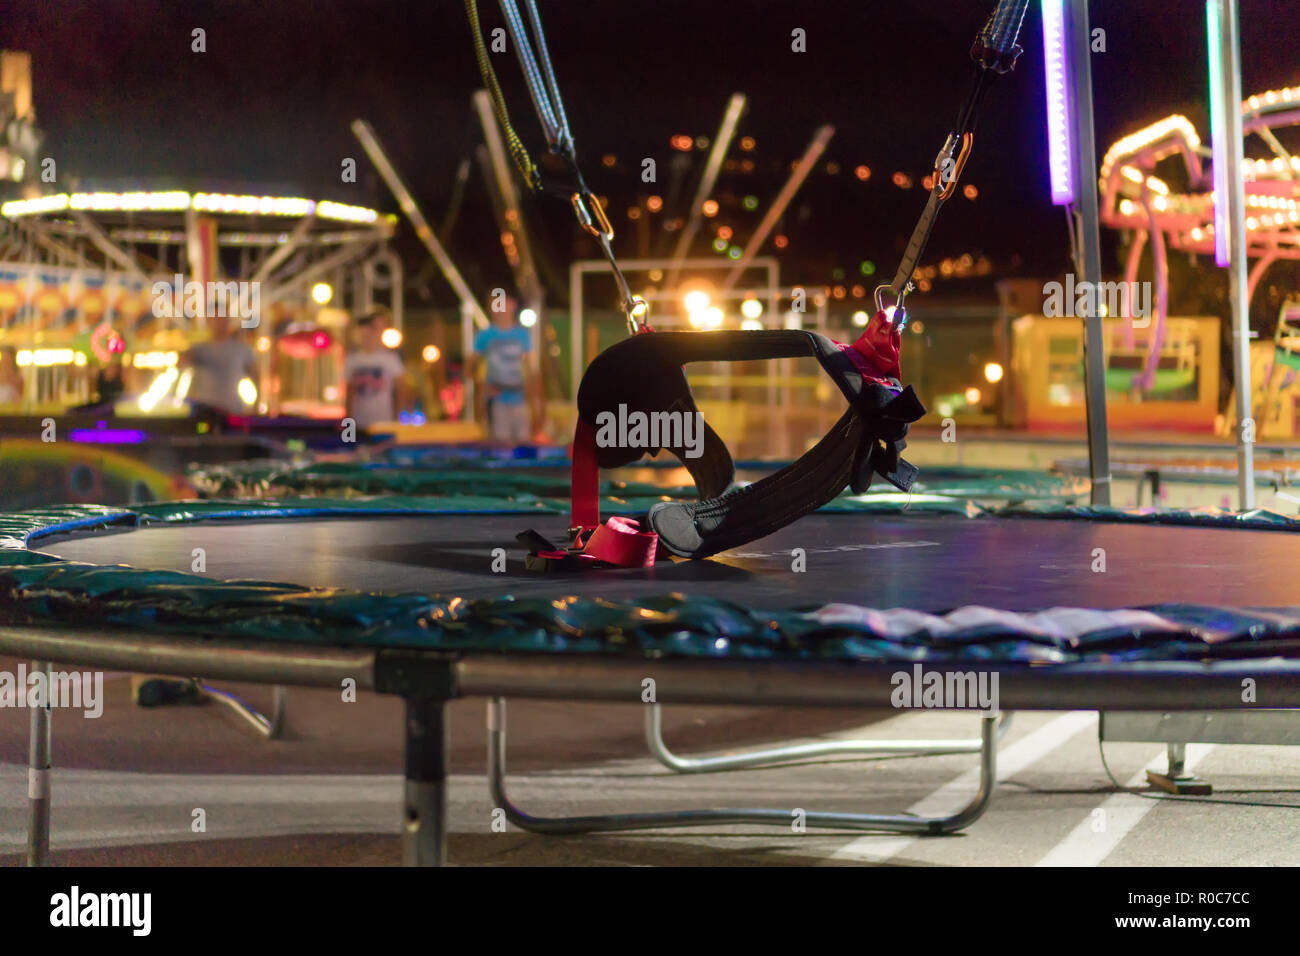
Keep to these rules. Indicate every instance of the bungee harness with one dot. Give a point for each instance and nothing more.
(644, 373)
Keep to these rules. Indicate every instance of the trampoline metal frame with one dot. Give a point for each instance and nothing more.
(428, 679)
(897, 823)
(268, 727)
(790, 753)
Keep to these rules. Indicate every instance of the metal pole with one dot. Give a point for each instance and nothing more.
(424, 828)
(777, 210)
(1089, 245)
(1229, 80)
(721, 143)
(510, 219)
(466, 350)
(370, 143)
(38, 775)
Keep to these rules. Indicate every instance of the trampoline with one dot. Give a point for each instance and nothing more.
(412, 597)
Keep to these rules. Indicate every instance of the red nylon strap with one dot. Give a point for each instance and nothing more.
(621, 542)
(584, 478)
(875, 353)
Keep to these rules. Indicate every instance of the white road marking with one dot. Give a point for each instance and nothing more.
(955, 794)
(1121, 812)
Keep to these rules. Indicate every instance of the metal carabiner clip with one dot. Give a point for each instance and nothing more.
(900, 312)
(638, 310)
(959, 164)
(580, 204)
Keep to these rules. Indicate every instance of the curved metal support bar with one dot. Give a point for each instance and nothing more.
(899, 823)
(269, 727)
(1146, 380)
(1130, 279)
(1257, 272)
(1267, 395)
(826, 748)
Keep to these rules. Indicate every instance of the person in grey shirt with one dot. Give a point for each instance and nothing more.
(218, 366)
(375, 374)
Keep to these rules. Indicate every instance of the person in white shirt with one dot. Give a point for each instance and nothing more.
(375, 375)
(219, 365)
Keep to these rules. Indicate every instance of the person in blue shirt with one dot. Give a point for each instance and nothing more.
(507, 394)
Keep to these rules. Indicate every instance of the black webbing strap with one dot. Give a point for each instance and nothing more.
(644, 373)
(848, 455)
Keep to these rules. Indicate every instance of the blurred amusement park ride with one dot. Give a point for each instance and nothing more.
(1157, 183)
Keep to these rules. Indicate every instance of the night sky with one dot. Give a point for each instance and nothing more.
(123, 100)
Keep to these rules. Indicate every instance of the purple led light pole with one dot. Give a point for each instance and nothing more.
(1060, 112)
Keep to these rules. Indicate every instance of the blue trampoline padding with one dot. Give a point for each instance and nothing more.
(40, 589)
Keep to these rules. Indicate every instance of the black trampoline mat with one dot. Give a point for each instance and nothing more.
(927, 562)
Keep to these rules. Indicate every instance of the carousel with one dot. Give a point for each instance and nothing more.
(96, 279)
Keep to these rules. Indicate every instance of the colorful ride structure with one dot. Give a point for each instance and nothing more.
(1158, 183)
(86, 277)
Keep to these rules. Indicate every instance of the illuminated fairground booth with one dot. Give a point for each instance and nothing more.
(90, 279)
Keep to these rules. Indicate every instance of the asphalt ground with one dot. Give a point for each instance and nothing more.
(126, 786)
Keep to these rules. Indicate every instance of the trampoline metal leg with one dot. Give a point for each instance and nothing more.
(902, 823)
(38, 777)
(1178, 780)
(269, 727)
(827, 748)
(424, 826)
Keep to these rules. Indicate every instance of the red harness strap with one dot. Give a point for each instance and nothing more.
(584, 476)
(875, 353)
(621, 542)
(618, 541)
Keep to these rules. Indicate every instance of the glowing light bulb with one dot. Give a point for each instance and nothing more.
(696, 301)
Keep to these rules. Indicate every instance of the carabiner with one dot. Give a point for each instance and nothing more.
(638, 310)
(580, 204)
(967, 141)
(900, 312)
(634, 306)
